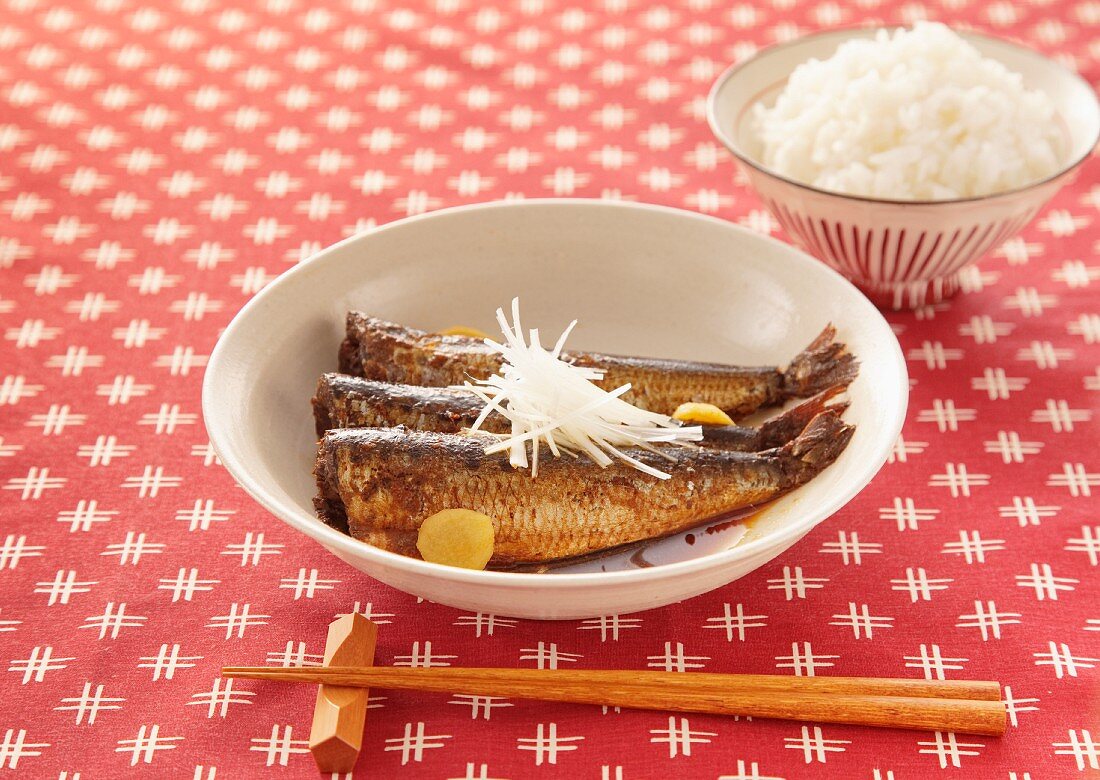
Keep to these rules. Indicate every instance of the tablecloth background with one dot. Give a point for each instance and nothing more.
(162, 162)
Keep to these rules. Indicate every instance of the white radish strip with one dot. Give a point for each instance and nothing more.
(546, 398)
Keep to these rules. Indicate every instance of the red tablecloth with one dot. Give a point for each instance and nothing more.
(160, 164)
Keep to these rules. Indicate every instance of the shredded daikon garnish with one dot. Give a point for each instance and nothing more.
(548, 399)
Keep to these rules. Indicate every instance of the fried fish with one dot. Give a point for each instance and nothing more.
(344, 401)
(379, 484)
(385, 351)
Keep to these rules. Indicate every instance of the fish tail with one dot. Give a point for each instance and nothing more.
(782, 428)
(821, 443)
(825, 363)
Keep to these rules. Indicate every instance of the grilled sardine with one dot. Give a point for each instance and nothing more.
(344, 401)
(385, 351)
(380, 484)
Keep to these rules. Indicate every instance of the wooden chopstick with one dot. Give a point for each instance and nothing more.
(964, 707)
(983, 690)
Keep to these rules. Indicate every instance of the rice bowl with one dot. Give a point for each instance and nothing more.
(903, 253)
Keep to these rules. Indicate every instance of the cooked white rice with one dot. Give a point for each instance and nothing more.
(919, 115)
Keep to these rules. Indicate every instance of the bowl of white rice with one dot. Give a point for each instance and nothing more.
(899, 157)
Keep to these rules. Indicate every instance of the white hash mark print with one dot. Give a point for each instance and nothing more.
(972, 547)
(89, 703)
(482, 771)
(750, 770)
(947, 748)
(219, 697)
(906, 514)
(814, 746)
(675, 660)
(62, 587)
(185, 584)
(546, 655)
(238, 619)
(850, 548)
(1088, 542)
(294, 654)
(679, 737)
(131, 549)
(958, 479)
(279, 746)
(203, 514)
(794, 583)
(480, 705)
(861, 621)
(35, 483)
(1074, 477)
(735, 621)
(1015, 705)
(1084, 748)
(412, 744)
(1026, 512)
(1064, 663)
(1059, 416)
(35, 666)
(1041, 579)
(987, 619)
(167, 661)
(546, 744)
(609, 626)
(144, 746)
(367, 610)
(484, 623)
(15, 548)
(150, 481)
(946, 415)
(307, 584)
(252, 549)
(802, 660)
(919, 585)
(933, 663)
(113, 620)
(15, 747)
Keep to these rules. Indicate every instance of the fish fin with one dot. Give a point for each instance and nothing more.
(823, 440)
(778, 430)
(825, 363)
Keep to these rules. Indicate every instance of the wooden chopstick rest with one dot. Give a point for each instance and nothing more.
(340, 714)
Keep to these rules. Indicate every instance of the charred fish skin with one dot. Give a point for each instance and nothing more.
(381, 483)
(343, 401)
(385, 351)
(382, 350)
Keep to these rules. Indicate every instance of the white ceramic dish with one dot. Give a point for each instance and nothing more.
(901, 253)
(643, 280)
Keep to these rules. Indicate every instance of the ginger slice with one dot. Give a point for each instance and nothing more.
(703, 414)
(457, 537)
